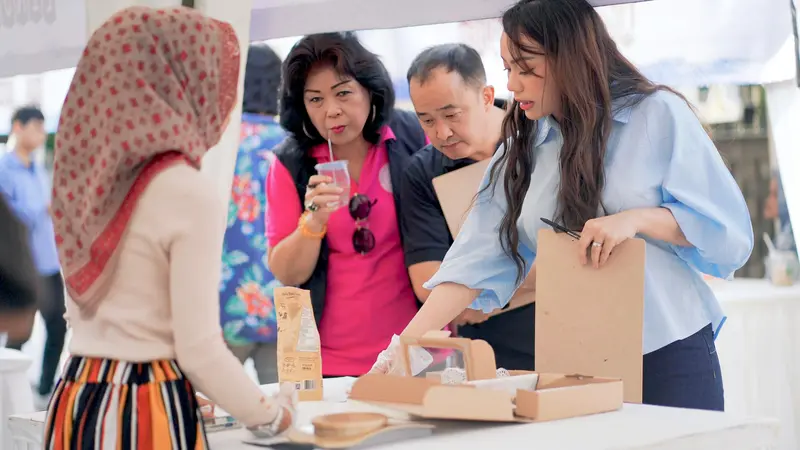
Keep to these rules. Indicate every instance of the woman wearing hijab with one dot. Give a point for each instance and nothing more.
(139, 232)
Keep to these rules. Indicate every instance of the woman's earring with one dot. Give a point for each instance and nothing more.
(373, 114)
(306, 132)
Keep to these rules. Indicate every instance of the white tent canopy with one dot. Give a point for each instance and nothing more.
(280, 18)
(41, 35)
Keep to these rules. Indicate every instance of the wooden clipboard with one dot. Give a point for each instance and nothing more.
(456, 191)
(590, 320)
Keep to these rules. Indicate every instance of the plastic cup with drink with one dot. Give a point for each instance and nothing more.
(340, 177)
(782, 265)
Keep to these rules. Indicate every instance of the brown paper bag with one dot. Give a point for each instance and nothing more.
(299, 357)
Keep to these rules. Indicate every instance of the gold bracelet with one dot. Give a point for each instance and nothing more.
(301, 225)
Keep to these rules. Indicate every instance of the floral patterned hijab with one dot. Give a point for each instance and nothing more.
(153, 88)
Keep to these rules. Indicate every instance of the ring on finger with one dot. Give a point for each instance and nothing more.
(597, 244)
(312, 186)
(311, 206)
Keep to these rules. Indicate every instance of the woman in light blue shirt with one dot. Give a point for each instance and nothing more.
(594, 145)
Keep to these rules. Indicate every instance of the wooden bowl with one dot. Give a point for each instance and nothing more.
(346, 425)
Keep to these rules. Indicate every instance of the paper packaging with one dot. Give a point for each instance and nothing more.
(299, 357)
(548, 396)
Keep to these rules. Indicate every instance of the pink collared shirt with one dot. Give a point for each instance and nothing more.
(369, 297)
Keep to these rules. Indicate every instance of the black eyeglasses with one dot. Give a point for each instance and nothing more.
(363, 239)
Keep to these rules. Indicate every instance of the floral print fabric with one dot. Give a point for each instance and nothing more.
(246, 291)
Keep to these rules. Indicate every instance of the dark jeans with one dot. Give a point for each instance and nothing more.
(52, 307)
(685, 374)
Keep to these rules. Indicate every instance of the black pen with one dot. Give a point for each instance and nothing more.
(561, 229)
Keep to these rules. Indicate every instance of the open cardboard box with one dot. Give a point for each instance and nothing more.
(587, 320)
(522, 397)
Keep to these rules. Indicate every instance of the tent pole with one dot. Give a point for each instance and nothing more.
(220, 161)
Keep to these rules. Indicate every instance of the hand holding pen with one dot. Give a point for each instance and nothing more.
(599, 236)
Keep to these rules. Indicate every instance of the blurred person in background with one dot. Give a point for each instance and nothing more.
(25, 185)
(461, 116)
(139, 231)
(20, 283)
(246, 292)
(775, 208)
(351, 258)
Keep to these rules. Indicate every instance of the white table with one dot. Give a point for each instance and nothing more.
(15, 391)
(634, 427)
(759, 351)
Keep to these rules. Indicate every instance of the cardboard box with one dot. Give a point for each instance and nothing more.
(587, 320)
(543, 396)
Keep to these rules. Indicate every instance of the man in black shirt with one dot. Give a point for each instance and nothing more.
(463, 121)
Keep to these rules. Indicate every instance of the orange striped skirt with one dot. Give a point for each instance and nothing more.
(102, 404)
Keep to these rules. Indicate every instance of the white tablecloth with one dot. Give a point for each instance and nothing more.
(634, 427)
(759, 350)
(15, 391)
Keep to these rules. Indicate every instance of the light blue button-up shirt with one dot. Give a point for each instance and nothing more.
(658, 155)
(27, 190)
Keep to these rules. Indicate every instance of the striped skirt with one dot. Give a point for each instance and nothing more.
(102, 404)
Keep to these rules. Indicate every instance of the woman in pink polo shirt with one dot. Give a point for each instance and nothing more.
(350, 258)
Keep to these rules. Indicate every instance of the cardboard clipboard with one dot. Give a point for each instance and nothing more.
(590, 320)
(456, 191)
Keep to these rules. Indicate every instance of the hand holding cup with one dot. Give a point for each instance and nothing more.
(321, 198)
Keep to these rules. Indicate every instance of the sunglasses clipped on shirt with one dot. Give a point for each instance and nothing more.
(363, 239)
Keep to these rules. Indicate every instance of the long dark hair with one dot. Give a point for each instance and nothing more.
(347, 56)
(589, 72)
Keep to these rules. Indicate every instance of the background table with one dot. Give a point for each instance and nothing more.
(759, 351)
(15, 392)
(635, 427)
